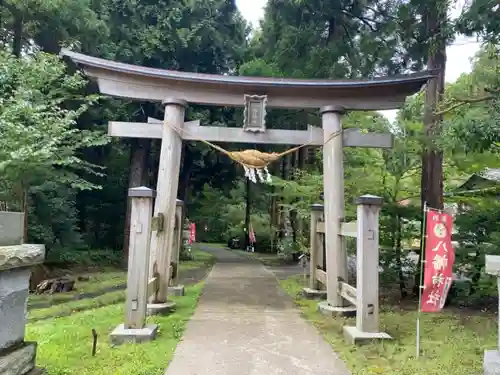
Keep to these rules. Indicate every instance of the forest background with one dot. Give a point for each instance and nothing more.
(58, 165)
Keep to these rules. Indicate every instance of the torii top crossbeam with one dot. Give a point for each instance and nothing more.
(142, 83)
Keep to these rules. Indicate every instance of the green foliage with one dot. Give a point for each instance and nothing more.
(39, 107)
(481, 17)
(228, 220)
(478, 235)
(473, 122)
(40, 145)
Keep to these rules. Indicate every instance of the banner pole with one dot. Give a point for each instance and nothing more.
(420, 286)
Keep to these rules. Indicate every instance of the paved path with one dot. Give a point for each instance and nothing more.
(245, 325)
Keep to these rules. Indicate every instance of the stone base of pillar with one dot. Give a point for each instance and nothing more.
(326, 309)
(309, 293)
(37, 371)
(160, 308)
(19, 360)
(176, 290)
(354, 336)
(121, 335)
(491, 362)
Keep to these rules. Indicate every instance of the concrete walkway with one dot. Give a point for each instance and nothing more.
(245, 325)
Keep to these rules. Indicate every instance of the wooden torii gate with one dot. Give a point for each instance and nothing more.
(176, 89)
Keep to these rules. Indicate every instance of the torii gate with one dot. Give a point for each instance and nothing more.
(176, 89)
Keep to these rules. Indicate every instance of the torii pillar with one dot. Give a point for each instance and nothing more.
(166, 200)
(333, 185)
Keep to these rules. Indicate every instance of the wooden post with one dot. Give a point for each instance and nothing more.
(138, 256)
(367, 268)
(316, 213)
(313, 291)
(176, 248)
(135, 328)
(168, 182)
(367, 272)
(320, 256)
(333, 181)
(491, 359)
(175, 288)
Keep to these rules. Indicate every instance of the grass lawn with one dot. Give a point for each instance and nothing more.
(106, 278)
(64, 304)
(65, 344)
(70, 307)
(452, 342)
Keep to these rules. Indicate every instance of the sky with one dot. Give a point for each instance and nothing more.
(458, 55)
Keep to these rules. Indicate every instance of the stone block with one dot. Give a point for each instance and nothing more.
(326, 309)
(121, 335)
(177, 290)
(491, 362)
(160, 308)
(14, 290)
(354, 336)
(18, 361)
(25, 255)
(309, 293)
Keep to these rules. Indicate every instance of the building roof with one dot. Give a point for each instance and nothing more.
(487, 178)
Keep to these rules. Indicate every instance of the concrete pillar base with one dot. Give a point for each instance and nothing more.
(328, 310)
(121, 335)
(176, 290)
(354, 336)
(160, 308)
(309, 293)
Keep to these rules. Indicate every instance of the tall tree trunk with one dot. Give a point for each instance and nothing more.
(398, 253)
(293, 162)
(247, 212)
(25, 197)
(274, 209)
(301, 162)
(137, 177)
(185, 174)
(432, 156)
(286, 230)
(17, 42)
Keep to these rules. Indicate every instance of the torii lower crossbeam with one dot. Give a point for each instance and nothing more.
(193, 131)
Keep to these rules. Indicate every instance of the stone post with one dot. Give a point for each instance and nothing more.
(17, 357)
(491, 361)
(314, 253)
(134, 328)
(177, 289)
(333, 181)
(367, 272)
(168, 183)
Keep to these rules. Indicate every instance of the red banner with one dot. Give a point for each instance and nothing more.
(439, 259)
(192, 233)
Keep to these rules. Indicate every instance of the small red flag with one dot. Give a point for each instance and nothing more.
(439, 259)
(192, 233)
